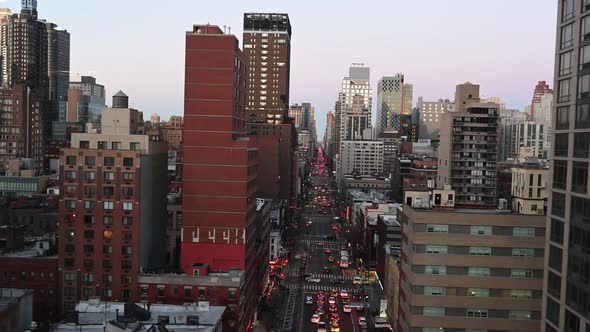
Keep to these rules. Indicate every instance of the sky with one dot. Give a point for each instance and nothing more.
(137, 46)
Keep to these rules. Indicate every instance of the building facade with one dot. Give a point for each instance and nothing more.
(86, 101)
(566, 293)
(394, 98)
(219, 166)
(364, 157)
(430, 115)
(529, 187)
(112, 210)
(58, 66)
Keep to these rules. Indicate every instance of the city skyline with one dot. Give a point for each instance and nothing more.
(153, 63)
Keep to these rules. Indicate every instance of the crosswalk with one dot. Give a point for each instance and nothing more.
(321, 288)
(327, 243)
(323, 276)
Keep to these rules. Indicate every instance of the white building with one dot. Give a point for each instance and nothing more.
(430, 115)
(366, 157)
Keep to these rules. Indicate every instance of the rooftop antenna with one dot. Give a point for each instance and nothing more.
(224, 27)
(228, 30)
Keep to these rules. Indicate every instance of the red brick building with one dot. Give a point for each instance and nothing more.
(39, 274)
(219, 167)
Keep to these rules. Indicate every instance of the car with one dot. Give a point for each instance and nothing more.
(304, 275)
(325, 212)
(330, 259)
(326, 269)
(331, 300)
(343, 293)
(345, 300)
(337, 281)
(334, 317)
(308, 300)
(312, 279)
(346, 308)
(322, 327)
(327, 251)
(334, 228)
(332, 308)
(330, 237)
(334, 327)
(321, 295)
(320, 301)
(356, 297)
(357, 281)
(320, 244)
(334, 293)
(362, 321)
(320, 310)
(315, 318)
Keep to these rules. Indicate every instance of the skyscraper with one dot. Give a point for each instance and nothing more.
(566, 294)
(86, 101)
(394, 100)
(541, 89)
(5, 15)
(58, 65)
(329, 134)
(220, 166)
(267, 44)
(113, 209)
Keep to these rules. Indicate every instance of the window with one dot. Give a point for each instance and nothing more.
(580, 210)
(585, 28)
(127, 162)
(556, 234)
(477, 313)
(519, 314)
(70, 276)
(84, 145)
(430, 290)
(563, 91)
(561, 145)
(107, 249)
(109, 176)
(565, 63)
(107, 292)
(585, 5)
(109, 161)
(521, 294)
(88, 248)
(116, 145)
(521, 273)
(90, 160)
(107, 220)
(127, 221)
(69, 291)
(125, 279)
(435, 249)
(479, 271)
(88, 277)
(584, 86)
(107, 264)
(108, 191)
(89, 234)
(89, 190)
(437, 228)
(582, 116)
(523, 252)
(478, 292)
(567, 10)
(102, 145)
(442, 270)
(126, 264)
(89, 204)
(134, 146)
(127, 206)
(481, 230)
(128, 176)
(523, 231)
(558, 204)
(89, 175)
(71, 160)
(126, 250)
(559, 174)
(127, 191)
(480, 251)
(108, 205)
(433, 311)
(70, 204)
(71, 175)
(580, 177)
(581, 145)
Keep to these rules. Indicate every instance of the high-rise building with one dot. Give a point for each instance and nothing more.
(21, 127)
(357, 83)
(113, 209)
(566, 297)
(5, 15)
(58, 66)
(267, 45)
(355, 120)
(364, 157)
(219, 167)
(296, 113)
(541, 89)
(329, 134)
(394, 99)
(86, 101)
(468, 149)
(430, 115)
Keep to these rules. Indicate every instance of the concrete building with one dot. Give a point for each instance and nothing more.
(357, 83)
(529, 187)
(16, 309)
(467, 270)
(58, 67)
(267, 47)
(5, 15)
(527, 134)
(329, 135)
(391, 142)
(394, 99)
(468, 149)
(111, 227)
(508, 118)
(367, 182)
(98, 316)
(355, 120)
(220, 167)
(364, 157)
(430, 115)
(542, 102)
(566, 291)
